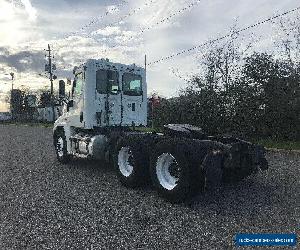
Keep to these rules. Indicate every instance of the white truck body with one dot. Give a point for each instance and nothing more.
(105, 94)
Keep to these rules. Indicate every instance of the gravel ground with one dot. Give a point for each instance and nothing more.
(45, 205)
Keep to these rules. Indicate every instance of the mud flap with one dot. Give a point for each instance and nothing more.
(264, 164)
(259, 157)
(212, 168)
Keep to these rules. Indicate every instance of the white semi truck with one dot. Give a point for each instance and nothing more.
(108, 103)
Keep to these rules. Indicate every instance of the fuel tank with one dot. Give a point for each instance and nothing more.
(90, 146)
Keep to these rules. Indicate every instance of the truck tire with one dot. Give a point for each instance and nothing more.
(60, 144)
(132, 162)
(173, 171)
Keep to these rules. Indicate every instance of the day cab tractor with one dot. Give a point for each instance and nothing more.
(103, 119)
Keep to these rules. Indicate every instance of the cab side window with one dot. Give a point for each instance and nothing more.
(107, 82)
(132, 84)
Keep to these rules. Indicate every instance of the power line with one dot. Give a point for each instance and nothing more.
(94, 21)
(191, 5)
(134, 11)
(112, 24)
(121, 19)
(97, 19)
(237, 68)
(158, 23)
(165, 19)
(223, 37)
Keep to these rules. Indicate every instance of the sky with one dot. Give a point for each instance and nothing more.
(123, 31)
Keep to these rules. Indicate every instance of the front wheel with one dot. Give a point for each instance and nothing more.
(60, 144)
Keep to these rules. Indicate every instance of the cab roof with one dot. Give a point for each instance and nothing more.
(106, 64)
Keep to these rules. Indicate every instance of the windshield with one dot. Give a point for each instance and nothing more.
(132, 84)
(107, 81)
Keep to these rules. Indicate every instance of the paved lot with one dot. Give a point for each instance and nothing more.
(45, 205)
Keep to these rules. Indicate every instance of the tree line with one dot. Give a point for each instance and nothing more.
(241, 91)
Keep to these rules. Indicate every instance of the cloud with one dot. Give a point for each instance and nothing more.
(24, 61)
(29, 64)
(4, 51)
(32, 12)
(16, 25)
(26, 30)
(108, 31)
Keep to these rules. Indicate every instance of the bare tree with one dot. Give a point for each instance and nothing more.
(222, 63)
(289, 34)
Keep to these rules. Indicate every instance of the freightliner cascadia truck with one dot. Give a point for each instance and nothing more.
(104, 120)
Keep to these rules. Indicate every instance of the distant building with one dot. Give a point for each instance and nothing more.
(45, 114)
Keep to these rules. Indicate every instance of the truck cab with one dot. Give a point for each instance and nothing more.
(108, 94)
(104, 95)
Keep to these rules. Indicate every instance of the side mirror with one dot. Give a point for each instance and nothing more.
(74, 70)
(70, 104)
(73, 87)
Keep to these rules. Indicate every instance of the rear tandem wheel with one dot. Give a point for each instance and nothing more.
(173, 171)
(132, 161)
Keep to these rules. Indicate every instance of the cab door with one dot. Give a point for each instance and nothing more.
(109, 97)
(133, 100)
(75, 113)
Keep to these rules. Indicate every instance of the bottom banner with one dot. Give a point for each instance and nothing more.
(266, 239)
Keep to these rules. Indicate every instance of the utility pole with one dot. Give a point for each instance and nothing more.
(11, 94)
(12, 80)
(49, 56)
(50, 67)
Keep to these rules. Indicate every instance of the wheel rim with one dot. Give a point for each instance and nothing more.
(60, 147)
(125, 161)
(167, 171)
